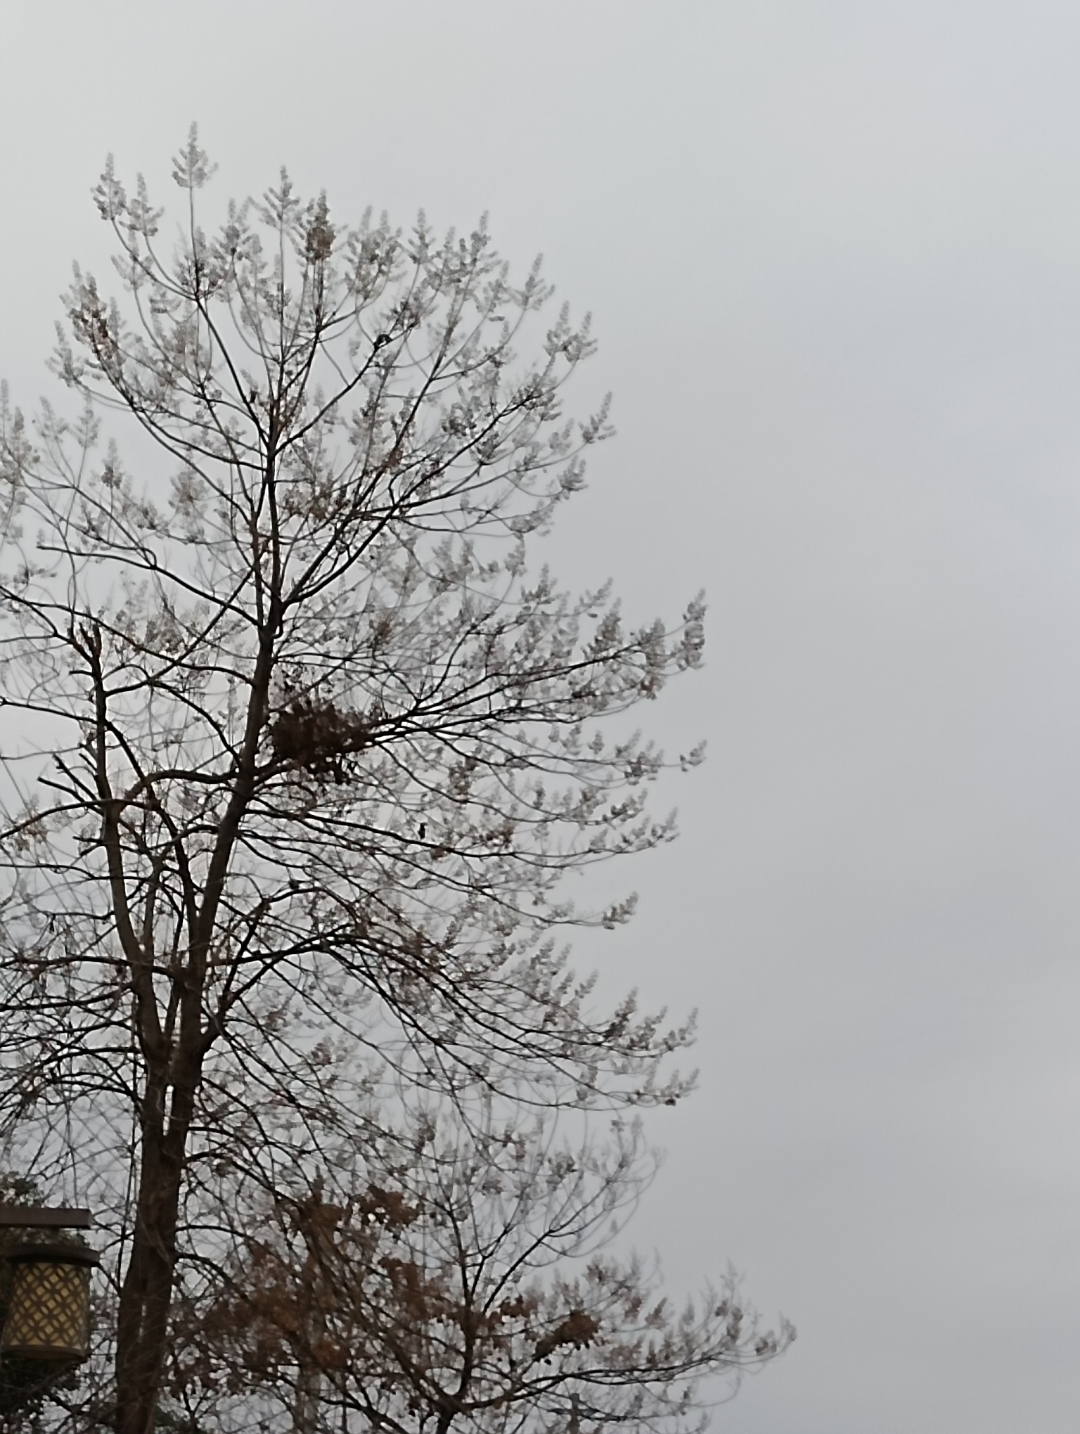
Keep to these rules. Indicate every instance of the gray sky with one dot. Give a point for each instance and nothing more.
(833, 252)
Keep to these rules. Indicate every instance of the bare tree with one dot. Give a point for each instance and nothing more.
(451, 1279)
(296, 749)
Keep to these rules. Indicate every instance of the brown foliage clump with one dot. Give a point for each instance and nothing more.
(467, 1288)
(315, 734)
(578, 1330)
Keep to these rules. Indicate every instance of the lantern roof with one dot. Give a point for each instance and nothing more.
(56, 1217)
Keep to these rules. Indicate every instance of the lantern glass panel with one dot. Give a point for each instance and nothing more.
(49, 1312)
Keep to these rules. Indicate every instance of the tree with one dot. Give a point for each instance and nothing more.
(446, 1279)
(298, 751)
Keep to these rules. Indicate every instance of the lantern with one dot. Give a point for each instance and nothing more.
(49, 1312)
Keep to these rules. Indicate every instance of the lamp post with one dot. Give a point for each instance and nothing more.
(48, 1315)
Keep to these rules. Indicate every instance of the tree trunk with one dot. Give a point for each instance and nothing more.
(146, 1292)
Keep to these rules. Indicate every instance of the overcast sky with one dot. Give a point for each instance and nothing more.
(832, 248)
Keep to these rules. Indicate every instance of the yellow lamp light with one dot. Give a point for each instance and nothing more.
(49, 1311)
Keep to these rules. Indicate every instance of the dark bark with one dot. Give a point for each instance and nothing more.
(146, 1293)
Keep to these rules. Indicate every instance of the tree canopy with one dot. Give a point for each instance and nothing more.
(298, 746)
